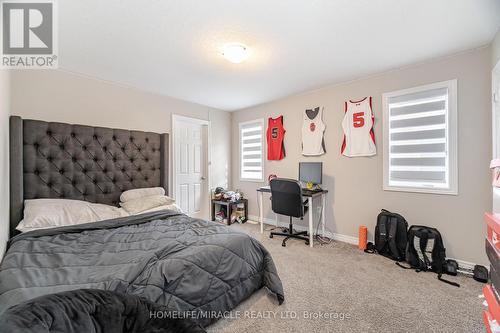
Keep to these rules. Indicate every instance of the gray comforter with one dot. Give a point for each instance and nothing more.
(168, 258)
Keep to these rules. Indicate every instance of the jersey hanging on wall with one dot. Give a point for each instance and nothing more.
(359, 138)
(275, 137)
(313, 128)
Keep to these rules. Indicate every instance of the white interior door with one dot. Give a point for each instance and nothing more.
(190, 170)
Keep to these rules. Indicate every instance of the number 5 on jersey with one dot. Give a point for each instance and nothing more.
(358, 119)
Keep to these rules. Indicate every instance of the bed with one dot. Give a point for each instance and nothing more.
(163, 257)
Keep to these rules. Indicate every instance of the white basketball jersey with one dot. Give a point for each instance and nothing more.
(312, 132)
(359, 138)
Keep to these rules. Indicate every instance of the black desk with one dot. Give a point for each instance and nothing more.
(310, 195)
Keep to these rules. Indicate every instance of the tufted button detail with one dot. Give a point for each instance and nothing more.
(36, 172)
(73, 135)
(147, 139)
(95, 159)
(49, 132)
(114, 138)
(146, 159)
(61, 146)
(61, 171)
(95, 137)
(139, 169)
(153, 150)
(36, 145)
(105, 170)
(123, 169)
(146, 178)
(49, 158)
(73, 183)
(49, 184)
(113, 181)
(105, 148)
(131, 139)
(132, 160)
(123, 148)
(94, 181)
(73, 159)
(84, 147)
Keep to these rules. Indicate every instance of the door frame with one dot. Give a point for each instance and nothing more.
(495, 91)
(178, 118)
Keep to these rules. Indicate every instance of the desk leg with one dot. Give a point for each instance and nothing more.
(323, 214)
(276, 217)
(311, 236)
(261, 213)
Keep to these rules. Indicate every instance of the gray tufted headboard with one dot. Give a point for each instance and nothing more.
(96, 164)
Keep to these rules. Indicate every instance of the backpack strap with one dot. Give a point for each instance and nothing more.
(423, 247)
(393, 228)
(447, 281)
(383, 235)
(402, 266)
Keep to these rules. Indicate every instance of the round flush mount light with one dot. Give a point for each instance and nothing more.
(235, 52)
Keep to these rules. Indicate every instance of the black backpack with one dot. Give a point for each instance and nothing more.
(426, 252)
(391, 235)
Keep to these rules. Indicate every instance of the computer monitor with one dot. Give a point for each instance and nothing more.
(311, 172)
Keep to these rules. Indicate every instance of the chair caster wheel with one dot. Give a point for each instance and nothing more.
(271, 236)
(307, 242)
(283, 244)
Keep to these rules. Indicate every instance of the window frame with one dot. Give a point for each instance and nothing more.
(451, 140)
(263, 150)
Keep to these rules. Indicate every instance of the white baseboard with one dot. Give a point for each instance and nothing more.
(331, 235)
(464, 265)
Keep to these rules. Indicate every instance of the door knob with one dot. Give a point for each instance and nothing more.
(203, 177)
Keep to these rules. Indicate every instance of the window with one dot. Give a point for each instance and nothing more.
(251, 150)
(420, 139)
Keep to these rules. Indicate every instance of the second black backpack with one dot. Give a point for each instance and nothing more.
(391, 235)
(426, 251)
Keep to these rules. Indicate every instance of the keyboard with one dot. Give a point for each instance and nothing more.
(311, 191)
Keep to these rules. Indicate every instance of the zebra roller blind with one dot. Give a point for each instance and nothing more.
(420, 132)
(251, 150)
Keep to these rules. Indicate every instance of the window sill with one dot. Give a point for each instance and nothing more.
(421, 190)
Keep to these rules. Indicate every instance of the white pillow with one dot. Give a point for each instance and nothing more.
(141, 193)
(173, 207)
(51, 213)
(141, 204)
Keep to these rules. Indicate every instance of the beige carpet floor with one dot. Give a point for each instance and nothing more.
(358, 292)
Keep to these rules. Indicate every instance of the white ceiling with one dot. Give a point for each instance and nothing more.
(173, 47)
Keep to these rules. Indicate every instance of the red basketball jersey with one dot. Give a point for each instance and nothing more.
(275, 137)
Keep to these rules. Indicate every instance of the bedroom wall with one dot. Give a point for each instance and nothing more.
(359, 181)
(58, 95)
(4, 159)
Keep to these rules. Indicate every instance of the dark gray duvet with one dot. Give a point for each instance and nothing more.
(168, 258)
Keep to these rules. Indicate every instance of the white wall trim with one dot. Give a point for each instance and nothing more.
(464, 265)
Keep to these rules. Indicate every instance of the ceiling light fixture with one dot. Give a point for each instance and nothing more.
(235, 53)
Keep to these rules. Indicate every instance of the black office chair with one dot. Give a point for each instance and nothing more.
(286, 199)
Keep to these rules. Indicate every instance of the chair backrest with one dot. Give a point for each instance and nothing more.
(286, 197)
